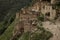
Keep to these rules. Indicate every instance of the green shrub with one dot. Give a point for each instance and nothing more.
(25, 36)
(41, 17)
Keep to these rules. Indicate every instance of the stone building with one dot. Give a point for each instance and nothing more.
(48, 10)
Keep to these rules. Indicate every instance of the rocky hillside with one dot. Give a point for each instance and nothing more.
(29, 20)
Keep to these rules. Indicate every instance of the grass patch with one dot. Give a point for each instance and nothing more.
(4, 25)
(25, 36)
(8, 32)
(41, 17)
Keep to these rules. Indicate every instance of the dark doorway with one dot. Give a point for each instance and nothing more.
(47, 14)
(47, 0)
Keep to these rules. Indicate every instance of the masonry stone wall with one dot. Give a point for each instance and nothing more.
(46, 8)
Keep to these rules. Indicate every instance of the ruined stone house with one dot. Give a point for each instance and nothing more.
(29, 15)
(48, 8)
(48, 11)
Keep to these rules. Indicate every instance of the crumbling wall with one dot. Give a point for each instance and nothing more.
(46, 8)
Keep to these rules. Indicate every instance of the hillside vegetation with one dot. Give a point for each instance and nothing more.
(8, 9)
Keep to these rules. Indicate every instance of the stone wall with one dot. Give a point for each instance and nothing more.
(46, 8)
